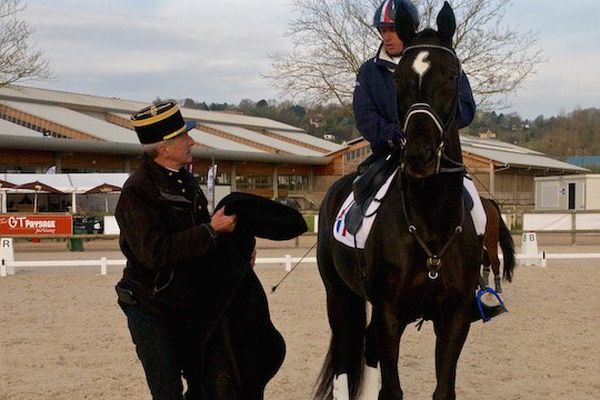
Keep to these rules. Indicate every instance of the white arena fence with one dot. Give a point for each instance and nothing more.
(7, 267)
(561, 221)
(565, 222)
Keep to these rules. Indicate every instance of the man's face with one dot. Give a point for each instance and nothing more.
(178, 150)
(391, 42)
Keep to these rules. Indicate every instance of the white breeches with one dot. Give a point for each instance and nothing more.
(477, 213)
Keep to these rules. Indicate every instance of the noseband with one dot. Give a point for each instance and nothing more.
(429, 111)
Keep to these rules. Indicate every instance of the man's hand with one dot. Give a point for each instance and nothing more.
(221, 222)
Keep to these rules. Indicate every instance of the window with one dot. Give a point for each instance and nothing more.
(254, 182)
(293, 182)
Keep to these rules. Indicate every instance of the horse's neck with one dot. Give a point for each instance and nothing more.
(435, 202)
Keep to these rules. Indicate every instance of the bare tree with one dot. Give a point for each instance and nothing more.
(332, 38)
(18, 60)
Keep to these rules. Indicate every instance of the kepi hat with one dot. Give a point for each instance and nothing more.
(160, 121)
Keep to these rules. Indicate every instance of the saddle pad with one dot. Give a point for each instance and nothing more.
(339, 227)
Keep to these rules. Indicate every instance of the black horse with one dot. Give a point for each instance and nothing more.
(422, 258)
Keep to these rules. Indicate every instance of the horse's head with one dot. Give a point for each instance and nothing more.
(427, 81)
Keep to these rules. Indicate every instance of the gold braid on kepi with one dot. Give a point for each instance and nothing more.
(160, 121)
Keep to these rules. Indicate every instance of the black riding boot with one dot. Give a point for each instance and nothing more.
(373, 172)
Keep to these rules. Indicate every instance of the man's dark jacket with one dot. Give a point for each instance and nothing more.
(166, 239)
(375, 105)
(179, 272)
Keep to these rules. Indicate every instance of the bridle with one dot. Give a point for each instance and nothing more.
(429, 111)
(434, 260)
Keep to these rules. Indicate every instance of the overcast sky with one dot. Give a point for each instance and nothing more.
(216, 50)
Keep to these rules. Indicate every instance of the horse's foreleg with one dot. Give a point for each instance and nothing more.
(498, 283)
(371, 378)
(347, 320)
(451, 333)
(485, 274)
(495, 263)
(497, 276)
(388, 332)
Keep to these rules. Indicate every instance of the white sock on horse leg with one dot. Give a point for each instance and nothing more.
(477, 213)
(371, 384)
(340, 387)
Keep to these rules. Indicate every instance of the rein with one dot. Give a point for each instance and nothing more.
(434, 261)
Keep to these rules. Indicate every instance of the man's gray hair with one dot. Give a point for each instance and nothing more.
(151, 150)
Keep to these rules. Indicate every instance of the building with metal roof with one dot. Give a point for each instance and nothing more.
(509, 155)
(7, 128)
(80, 125)
(80, 133)
(500, 170)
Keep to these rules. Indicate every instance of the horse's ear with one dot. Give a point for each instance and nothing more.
(446, 22)
(405, 26)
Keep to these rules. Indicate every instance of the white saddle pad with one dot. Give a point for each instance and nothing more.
(339, 227)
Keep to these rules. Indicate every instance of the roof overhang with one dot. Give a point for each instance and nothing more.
(81, 146)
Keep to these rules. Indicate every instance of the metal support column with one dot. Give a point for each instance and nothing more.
(492, 180)
(275, 182)
(232, 177)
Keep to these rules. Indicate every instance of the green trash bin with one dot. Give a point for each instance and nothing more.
(75, 244)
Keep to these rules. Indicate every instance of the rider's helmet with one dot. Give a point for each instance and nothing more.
(385, 16)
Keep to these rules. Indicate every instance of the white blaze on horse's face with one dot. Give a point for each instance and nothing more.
(421, 65)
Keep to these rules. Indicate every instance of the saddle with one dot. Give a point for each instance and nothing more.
(372, 175)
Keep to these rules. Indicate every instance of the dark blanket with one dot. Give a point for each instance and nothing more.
(263, 218)
(243, 348)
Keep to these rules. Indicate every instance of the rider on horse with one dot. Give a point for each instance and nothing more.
(375, 106)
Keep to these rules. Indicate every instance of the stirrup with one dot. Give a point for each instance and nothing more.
(486, 312)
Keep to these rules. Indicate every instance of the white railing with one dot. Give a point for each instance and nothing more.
(543, 256)
(287, 261)
(7, 267)
(561, 221)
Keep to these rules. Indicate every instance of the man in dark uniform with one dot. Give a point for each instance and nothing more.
(169, 240)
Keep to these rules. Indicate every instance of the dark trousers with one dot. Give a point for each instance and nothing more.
(167, 352)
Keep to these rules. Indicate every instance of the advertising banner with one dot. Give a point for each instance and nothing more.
(35, 225)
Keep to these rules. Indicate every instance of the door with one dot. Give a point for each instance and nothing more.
(571, 196)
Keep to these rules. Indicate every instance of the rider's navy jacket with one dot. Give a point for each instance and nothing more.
(375, 106)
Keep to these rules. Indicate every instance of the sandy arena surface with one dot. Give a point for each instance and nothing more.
(63, 337)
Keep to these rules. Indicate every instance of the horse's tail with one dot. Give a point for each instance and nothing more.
(325, 380)
(507, 245)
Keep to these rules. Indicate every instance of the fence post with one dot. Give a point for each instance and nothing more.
(7, 253)
(103, 266)
(529, 247)
(288, 263)
(544, 264)
(573, 227)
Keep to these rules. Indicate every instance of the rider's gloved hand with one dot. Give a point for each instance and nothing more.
(395, 138)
